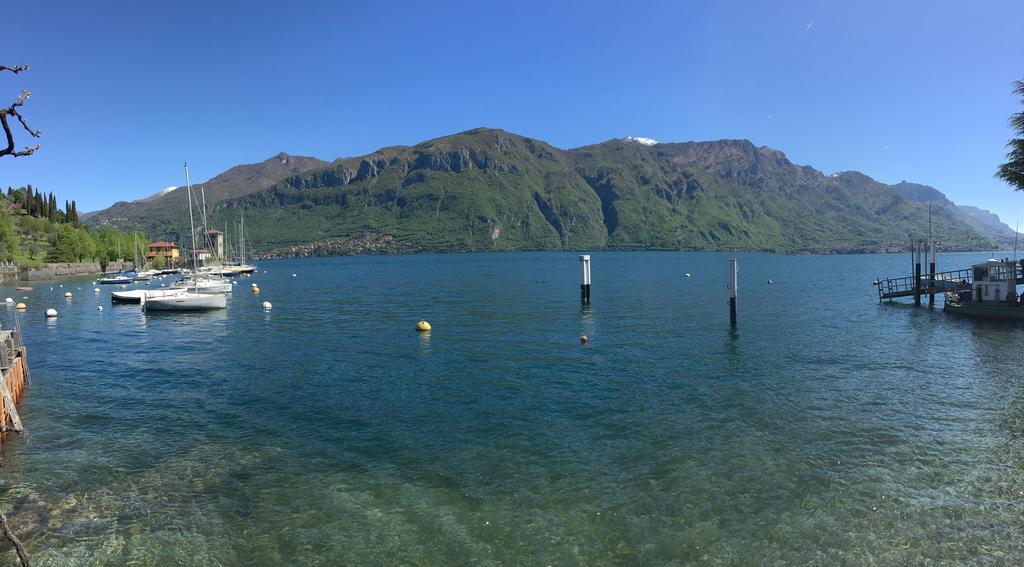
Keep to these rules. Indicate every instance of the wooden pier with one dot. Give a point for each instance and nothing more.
(928, 284)
(14, 381)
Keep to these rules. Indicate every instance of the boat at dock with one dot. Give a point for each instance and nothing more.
(991, 293)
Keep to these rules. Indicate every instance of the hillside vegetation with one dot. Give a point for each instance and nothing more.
(33, 230)
(488, 189)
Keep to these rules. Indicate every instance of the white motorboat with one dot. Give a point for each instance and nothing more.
(186, 301)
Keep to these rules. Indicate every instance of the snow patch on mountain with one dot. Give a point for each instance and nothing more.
(641, 140)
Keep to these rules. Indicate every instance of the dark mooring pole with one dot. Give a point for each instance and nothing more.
(585, 286)
(931, 276)
(732, 293)
(917, 272)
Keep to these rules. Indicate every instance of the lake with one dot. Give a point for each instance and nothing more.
(827, 429)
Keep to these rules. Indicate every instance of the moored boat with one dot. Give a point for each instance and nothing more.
(190, 296)
(122, 277)
(186, 301)
(138, 296)
(992, 294)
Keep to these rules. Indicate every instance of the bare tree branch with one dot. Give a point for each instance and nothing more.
(22, 556)
(12, 110)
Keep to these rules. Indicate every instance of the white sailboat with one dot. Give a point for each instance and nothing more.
(138, 296)
(241, 267)
(187, 299)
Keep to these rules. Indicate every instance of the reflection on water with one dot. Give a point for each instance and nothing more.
(827, 429)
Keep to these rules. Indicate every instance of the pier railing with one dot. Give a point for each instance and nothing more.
(953, 280)
(891, 288)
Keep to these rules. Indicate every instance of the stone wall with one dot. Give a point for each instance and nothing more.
(54, 271)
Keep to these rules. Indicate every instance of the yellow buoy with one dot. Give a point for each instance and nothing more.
(21, 306)
(67, 294)
(422, 326)
(255, 290)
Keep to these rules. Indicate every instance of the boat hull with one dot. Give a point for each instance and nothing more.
(986, 310)
(136, 296)
(186, 301)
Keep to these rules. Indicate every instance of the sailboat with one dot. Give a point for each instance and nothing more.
(189, 298)
(121, 277)
(241, 267)
(146, 274)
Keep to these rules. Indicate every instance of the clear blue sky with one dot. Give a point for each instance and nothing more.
(126, 91)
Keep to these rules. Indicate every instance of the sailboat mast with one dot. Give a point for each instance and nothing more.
(191, 221)
(241, 240)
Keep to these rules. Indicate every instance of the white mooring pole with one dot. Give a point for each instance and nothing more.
(585, 286)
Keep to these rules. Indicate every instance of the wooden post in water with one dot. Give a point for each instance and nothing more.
(931, 275)
(585, 286)
(732, 293)
(918, 246)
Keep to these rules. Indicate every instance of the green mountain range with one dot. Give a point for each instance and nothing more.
(487, 189)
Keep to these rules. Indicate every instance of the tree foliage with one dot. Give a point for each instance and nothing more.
(1012, 171)
(8, 237)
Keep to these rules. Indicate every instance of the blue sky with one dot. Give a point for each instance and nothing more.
(126, 91)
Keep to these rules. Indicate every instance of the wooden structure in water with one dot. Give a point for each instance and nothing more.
(930, 283)
(14, 380)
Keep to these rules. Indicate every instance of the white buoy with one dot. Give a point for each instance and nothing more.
(770, 281)
(687, 274)
(294, 275)
(97, 290)
(9, 300)
(254, 285)
(99, 308)
(267, 306)
(51, 312)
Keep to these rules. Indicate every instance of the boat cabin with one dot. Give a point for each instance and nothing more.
(994, 280)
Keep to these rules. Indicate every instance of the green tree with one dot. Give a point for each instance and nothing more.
(104, 261)
(85, 244)
(160, 261)
(8, 237)
(1012, 171)
(65, 247)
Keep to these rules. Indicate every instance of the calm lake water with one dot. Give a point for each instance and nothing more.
(828, 429)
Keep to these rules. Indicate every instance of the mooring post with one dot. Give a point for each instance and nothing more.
(585, 286)
(916, 271)
(732, 293)
(931, 275)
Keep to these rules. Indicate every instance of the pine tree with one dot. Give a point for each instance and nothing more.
(1012, 171)
(74, 214)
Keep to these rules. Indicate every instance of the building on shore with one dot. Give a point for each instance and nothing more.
(170, 251)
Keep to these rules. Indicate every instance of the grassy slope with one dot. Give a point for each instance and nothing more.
(491, 190)
(481, 190)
